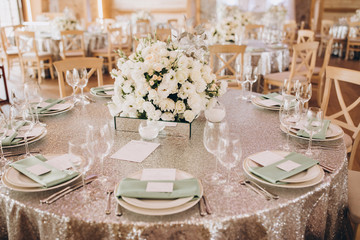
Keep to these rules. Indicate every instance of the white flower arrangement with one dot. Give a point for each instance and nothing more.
(275, 16)
(66, 22)
(356, 16)
(161, 82)
(141, 15)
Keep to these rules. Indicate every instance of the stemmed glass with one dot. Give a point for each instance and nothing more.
(230, 153)
(313, 124)
(34, 98)
(213, 133)
(73, 82)
(289, 115)
(100, 140)
(28, 120)
(3, 132)
(82, 81)
(81, 160)
(303, 94)
(241, 81)
(251, 75)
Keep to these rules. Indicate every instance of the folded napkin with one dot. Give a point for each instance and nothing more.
(9, 140)
(272, 96)
(52, 178)
(135, 188)
(273, 174)
(51, 102)
(319, 135)
(101, 89)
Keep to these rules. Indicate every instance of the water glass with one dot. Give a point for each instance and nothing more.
(303, 94)
(34, 98)
(313, 124)
(82, 77)
(251, 75)
(73, 82)
(29, 123)
(242, 82)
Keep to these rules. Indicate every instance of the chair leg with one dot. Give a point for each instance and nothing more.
(51, 68)
(320, 48)
(266, 87)
(347, 53)
(8, 68)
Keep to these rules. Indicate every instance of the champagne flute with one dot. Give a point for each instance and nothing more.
(83, 81)
(241, 81)
(29, 123)
(303, 94)
(313, 124)
(33, 96)
(72, 82)
(3, 132)
(213, 132)
(289, 115)
(253, 77)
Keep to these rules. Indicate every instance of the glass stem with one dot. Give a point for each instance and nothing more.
(287, 137)
(37, 114)
(26, 146)
(82, 92)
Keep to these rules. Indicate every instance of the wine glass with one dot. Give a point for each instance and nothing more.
(289, 115)
(100, 140)
(313, 124)
(286, 88)
(303, 94)
(73, 82)
(251, 75)
(28, 120)
(241, 81)
(230, 153)
(80, 159)
(3, 132)
(82, 77)
(34, 98)
(213, 132)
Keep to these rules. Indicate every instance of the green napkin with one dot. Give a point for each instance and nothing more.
(101, 89)
(135, 188)
(272, 97)
(319, 135)
(52, 178)
(273, 174)
(9, 140)
(51, 102)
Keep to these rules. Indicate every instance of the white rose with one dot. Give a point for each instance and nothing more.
(188, 87)
(167, 105)
(127, 87)
(167, 116)
(182, 75)
(114, 109)
(163, 90)
(200, 86)
(180, 107)
(189, 115)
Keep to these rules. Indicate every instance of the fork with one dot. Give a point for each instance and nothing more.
(273, 196)
(243, 182)
(108, 193)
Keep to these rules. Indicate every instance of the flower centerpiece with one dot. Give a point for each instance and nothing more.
(275, 16)
(141, 15)
(161, 81)
(356, 16)
(66, 22)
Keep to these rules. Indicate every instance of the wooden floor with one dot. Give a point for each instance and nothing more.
(49, 88)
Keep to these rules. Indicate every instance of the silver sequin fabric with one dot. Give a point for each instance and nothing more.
(315, 212)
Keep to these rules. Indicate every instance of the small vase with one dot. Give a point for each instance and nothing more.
(215, 113)
(148, 130)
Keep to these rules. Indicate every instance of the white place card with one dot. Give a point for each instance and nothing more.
(112, 92)
(269, 103)
(135, 151)
(159, 187)
(33, 133)
(38, 169)
(266, 158)
(60, 162)
(158, 174)
(288, 165)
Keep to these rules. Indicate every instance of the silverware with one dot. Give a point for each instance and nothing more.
(207, 205)
(90, 99)
(118, 210)
(273, 196)
(255, 190)
(52, 198)
(108, 192)
(202, 207)
(327, 168)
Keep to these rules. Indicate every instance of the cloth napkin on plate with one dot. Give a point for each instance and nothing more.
(135, 188)
(319, 135)
(273, 174)
(52, 102)
(9, 140)
(102, 90)
(52, 178)
(272, 96)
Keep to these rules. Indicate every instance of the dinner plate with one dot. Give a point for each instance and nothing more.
(257, 102)
(307, 175)
(56, 112)
(30, 140)
(333, 133)
(304, 184)
(102, 94)
(160, 211)
(159, 204)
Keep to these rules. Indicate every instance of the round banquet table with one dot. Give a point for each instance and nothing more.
(314, 212)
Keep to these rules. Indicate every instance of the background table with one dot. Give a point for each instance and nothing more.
(314, 212)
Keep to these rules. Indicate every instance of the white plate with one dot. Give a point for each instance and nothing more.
(52, 113)
(256, 102)
(30, 140)
(334, 132)
(305, 184)
(159, 204)
(307, 175)
(101, 94)
(164, 211)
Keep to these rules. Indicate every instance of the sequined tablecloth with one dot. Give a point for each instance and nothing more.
(312, 213)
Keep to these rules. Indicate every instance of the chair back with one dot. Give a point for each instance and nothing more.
(336, 77)
(227, 57)
(26, 44)
(115, 39)
(163, 34)
(326, 25)
(95, 65)
(323, 69)
(289, 32)
(143, 26)
(306, 52)
(305, 36)
(72, 43)
(253, 31)
(354, 31)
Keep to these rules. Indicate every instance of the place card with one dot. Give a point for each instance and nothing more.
(158, 174)
(269, 103)
(38, 169)
(33, 133)
(288, 165)
(112, 92)
(135, 151)
(60, 162)
(266, 158)
(159, 187)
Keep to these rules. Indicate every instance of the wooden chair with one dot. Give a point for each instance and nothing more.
(95, 64)
(173, 23)
(228, 61)
(30, 57)
(326, 26)
(301, 70)
(335, 77)
(73, 45)
(8, 53)
(143, 26)
(253, 31)
(109, 53)
(305, 36)
(4, 95)
(163, 34)
(353, 39)
(289, 32)
(318, 77)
